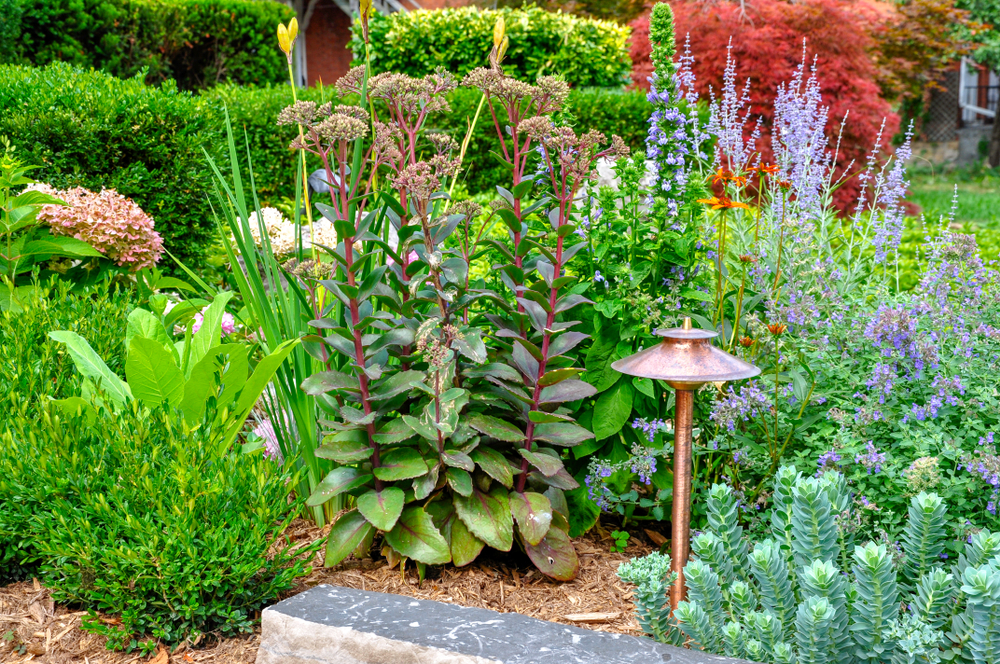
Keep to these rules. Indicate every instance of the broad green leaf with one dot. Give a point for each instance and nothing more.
(209, 335)
(414, 536)
(382, 508)
(598, 362)
(495, 427)
(142, 323)
(493, 464)
(644, 385)
(465, 547)
(557, 376)
(488, 517)
(459, 480)
(346, 447)
(567, 390)
(533, 514)
(400, 463)
(327, 381)
(201, 383)
(255, 386)
(583, 512)
(394, 431)
(457, 459)
(613, 409)
(92, 366)
(555, 556)
(338, 481)
(153, 374)
(397, 384)
(60, 246)
(548, 465)
(347, 534)
(564, 434)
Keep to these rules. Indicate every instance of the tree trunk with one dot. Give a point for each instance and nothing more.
(994, 156)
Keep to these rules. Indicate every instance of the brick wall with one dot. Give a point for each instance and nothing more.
(327, 55)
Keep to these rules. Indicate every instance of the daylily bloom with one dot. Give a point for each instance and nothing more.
(723, 203)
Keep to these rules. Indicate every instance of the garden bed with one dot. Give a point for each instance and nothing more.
(596, 599)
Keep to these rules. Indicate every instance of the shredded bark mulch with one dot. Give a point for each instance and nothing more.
(35, 629)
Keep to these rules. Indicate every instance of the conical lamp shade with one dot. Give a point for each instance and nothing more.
(685, 359)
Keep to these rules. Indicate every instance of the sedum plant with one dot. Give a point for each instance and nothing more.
(810, 594)
(440, 427)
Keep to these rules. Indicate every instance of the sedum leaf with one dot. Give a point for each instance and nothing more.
(346, 535)
(555, 556)
(336, 482)
(495, 427)
(533, 514)
(414, 536)
(488, 517)
(382, 508)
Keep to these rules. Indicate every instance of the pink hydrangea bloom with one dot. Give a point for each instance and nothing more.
(228, 323)
(109, 222)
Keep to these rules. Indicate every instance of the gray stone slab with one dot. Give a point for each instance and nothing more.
(334, 625)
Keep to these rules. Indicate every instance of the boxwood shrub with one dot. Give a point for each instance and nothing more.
(195, 42)
(587, 52)
(129, 513)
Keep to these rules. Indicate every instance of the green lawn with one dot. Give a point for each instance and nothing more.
(978, 213)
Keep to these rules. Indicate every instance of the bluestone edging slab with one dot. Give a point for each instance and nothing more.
(334, 625)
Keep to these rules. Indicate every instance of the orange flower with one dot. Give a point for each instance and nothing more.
(747, 258)
(725, 175)
(785, 184)
(723, 203)
(746, 342)
(777, 329)
(768, 169)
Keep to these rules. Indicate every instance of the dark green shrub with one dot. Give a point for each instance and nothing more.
(32, 366)
(584, 51)
(195, 43)
(135, 515)
(93, 130)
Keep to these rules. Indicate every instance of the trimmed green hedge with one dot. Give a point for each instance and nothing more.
(89, 129)
(586, 52)
(197, 43)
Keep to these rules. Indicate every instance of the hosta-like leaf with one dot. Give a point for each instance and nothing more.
(568, 390)
(533, 514)
(613, 409)
(153, 374)
(400, 463)
(488, 517)
(460, 481)
(555, 556)
(89, 363)
(397, 384)
(564, 434)
(327, 381)
(415, 536)
(347, 533)
(465, 547)
(548, 465)
(336, 482)
(382, 508)
(493, 464)
(495, 427)
(142, 323)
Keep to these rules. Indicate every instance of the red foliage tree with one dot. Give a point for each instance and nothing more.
(767, 46)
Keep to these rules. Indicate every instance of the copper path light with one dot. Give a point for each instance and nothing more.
(685, 360)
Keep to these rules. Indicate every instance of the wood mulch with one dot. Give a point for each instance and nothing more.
(34, 629)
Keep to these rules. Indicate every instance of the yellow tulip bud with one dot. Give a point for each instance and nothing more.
(284, 43)
(366, 8)
(499, 32)
(293, 30)
(502, 51)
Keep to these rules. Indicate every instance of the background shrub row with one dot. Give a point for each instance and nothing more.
(586, 52)
(89, 129)
(197, 43)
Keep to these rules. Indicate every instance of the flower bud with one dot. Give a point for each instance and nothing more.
(284, 42)
(499, 32)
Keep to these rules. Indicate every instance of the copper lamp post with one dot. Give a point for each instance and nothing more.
(685, 360)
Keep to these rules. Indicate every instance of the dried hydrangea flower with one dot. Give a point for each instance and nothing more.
(109, 222)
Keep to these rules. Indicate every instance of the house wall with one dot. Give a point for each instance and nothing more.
(327, 55)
